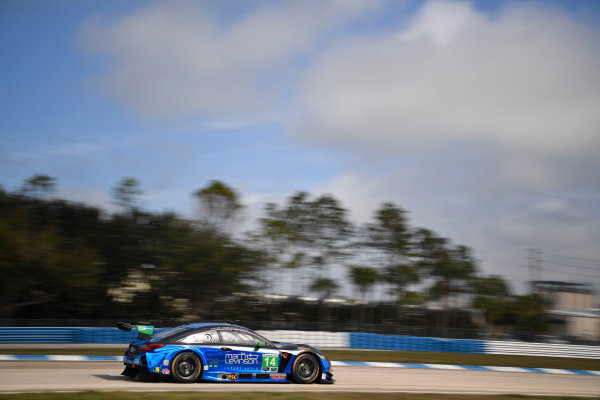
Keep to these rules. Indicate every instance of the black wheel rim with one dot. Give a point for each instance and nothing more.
(306, 368)
(187, 366)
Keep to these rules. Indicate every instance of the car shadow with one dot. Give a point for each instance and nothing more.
(126, 378)
(112, 377)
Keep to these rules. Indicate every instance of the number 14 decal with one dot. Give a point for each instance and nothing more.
(270, 360)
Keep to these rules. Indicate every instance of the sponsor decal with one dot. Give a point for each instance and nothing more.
(270, 361)
(165, 371)
(266, 369)
(242, 358)
(278, 377)
(148, 330)
(136, 361)
(324, 376)
(303, 348)
(232, 377)
(156, 369)
(166, 363)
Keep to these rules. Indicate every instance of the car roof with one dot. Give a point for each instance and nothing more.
(213, 324)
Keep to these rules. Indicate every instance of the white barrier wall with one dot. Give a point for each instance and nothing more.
(542, 349)
(325, 340)
(332, 340)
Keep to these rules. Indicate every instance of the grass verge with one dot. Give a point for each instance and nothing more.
(91, 395)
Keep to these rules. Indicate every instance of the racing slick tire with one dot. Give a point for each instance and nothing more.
(305, 369)
(186, 367)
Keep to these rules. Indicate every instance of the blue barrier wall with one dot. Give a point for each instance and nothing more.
(38, 335)
(65, 335)
(356, 340)
(327, 339)
(102, 335)
(413, 343)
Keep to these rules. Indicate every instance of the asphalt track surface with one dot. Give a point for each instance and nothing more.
(42, 376)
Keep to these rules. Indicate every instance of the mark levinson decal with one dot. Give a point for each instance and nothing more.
(241, 358)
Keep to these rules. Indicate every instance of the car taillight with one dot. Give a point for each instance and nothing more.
(149, 347)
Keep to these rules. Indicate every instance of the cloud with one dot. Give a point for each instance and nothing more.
(554, 232)
(175, 59)
(525, 80)
(357, 193)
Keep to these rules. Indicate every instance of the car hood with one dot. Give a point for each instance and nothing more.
(292, 347)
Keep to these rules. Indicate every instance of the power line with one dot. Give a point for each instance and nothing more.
(570, 273)
(571, 266)
(574, 258)
(534, 264)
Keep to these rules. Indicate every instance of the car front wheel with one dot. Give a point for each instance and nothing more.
(186, 367)
(305, 369)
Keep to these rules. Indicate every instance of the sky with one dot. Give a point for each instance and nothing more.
(480, 118)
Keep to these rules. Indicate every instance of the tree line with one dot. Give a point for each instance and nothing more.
(60, 259)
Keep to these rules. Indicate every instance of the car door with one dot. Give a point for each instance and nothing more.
(209, 343)
(248, 353)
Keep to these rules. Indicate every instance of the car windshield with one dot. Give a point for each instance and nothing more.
(171, 332)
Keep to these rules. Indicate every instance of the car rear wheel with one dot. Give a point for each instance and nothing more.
(186, 367)
(305, 369)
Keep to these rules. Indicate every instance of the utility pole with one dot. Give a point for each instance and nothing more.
(534, 264)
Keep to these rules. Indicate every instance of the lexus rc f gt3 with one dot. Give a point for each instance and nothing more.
(221, 352)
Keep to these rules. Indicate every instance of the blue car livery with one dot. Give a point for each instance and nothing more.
(222, 352)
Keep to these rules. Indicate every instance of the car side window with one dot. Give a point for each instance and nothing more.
(247, 338)
(239, 337)
(206, 337)
(229, 337)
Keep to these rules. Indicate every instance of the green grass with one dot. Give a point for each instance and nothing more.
(420, 357)
(91, 395)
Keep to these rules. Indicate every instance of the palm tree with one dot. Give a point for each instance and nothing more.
(363, 278)
(325, 286)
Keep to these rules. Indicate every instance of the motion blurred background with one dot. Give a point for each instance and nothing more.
(412, 167)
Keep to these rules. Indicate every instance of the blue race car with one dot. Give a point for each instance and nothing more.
(221, 352)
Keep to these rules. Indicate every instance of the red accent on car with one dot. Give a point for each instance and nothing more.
(149, 347)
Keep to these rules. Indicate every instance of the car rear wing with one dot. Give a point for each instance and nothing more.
(144, 331)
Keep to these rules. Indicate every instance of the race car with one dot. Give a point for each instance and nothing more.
(221, 352)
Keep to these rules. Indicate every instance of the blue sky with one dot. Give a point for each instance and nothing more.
(480, 118)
